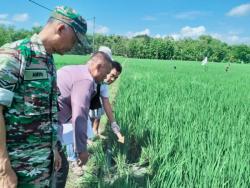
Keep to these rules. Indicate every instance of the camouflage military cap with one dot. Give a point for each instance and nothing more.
(70, 17)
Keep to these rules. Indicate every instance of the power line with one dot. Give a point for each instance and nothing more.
(40, 5)
(93, 41)
(51, 9)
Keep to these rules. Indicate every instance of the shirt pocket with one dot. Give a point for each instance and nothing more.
(37, 97)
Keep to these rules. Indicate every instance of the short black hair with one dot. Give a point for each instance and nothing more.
(117, 66)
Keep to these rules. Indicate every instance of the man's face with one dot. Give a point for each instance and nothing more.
(112, 76)
(66, 40)
(102, 72)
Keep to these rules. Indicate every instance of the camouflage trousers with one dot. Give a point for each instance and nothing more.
(33, 169)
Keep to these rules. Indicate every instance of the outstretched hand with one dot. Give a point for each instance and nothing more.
(121, 138)
(116, 130)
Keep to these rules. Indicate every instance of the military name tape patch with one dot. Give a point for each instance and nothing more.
(35, 74)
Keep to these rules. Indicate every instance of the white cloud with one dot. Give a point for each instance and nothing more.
(241, 10)
(176, 36)
(234, 38)
(21, 17)
(98, 28)
(189, 15)
(158, 36)
(5, 22)
(244, 40)
(236, 31)
(231, 38)
(216, 35)
(102, 29)
(192, 32)
(3, 16)
(133, 34)
(149, 18)
(4, 19)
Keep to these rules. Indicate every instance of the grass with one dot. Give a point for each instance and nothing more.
(185, 126)
(61, 61)
(191, 124)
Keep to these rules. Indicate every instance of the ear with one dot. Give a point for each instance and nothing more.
(60, 28)
(98, 67)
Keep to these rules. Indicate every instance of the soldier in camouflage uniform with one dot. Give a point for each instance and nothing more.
(28, 101)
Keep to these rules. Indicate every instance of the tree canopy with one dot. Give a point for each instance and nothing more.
(144, 46)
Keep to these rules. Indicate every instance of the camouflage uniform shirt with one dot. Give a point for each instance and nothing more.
(28, 91)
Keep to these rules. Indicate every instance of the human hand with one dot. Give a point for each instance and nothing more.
(115, 127)
(82, 158)
(8, 178)
(57, 160)
(121, 138)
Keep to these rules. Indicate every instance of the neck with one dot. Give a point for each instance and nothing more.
(91, 70)
(46, 40)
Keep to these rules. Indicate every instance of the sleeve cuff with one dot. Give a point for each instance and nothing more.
(6, 97)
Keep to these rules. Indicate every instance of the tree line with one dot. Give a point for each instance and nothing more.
(144, 46)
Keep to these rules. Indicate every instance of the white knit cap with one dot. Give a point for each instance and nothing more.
(106, 50)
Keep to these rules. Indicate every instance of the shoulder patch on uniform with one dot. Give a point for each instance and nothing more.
(35, 74)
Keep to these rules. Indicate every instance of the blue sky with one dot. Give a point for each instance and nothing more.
(227, 20)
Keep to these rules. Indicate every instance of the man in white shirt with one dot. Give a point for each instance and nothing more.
(95, 114)
(97, 106)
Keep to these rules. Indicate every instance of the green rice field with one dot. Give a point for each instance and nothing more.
(185, 125)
